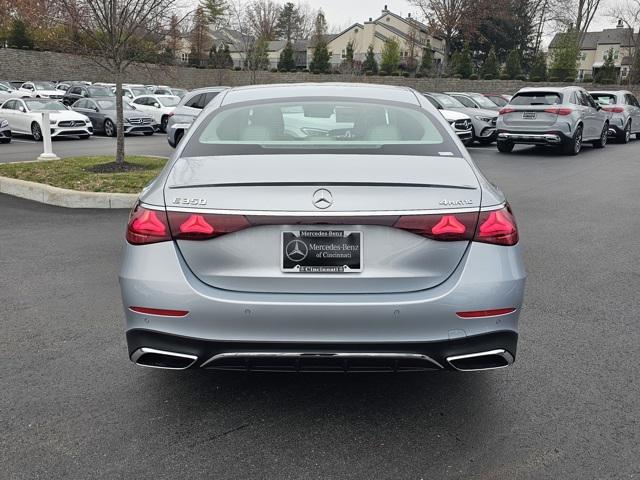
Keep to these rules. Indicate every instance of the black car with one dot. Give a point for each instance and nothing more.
(76, 92)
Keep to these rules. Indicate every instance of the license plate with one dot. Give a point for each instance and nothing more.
(529, 115)
(321, 251)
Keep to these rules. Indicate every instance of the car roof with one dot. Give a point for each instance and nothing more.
(291, 90)
(547, 89)
(609, 92)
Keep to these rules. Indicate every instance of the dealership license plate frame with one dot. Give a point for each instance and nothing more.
(330, 266)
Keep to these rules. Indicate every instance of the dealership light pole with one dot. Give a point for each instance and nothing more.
(46, 139)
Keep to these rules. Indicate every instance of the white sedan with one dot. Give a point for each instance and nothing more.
(7, 93)
(25, 117)
(160, 107)
(40, 90)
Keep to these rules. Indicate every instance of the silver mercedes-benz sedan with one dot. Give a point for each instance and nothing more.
(322, 227)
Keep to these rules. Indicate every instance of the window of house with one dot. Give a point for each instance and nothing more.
(344, 53)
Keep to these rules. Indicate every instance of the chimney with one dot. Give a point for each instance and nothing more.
(408, 15)
(370, 19)
(620, 24)
(385, 9)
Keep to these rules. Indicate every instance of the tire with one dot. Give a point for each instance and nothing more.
(36, 132)
(468, 142)
(573, 146)
(148, 134)
(163, 124)
(485, 141)
(5, 140)
(109, 128)
(625, 136)
(604, 136)
(504, 147)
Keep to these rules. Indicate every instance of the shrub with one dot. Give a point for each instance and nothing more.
(316, 72)
(383, 74)
(406, 74)
(473, 76)
(488, 76)
(419, 75)
(237, 69)
(274, 70)
(522, 77)
(368, 73)
(587, 79)
(554, 79)
(294, 70)
(457, 75)
(570, 79)
(535, 79)
(504, 76)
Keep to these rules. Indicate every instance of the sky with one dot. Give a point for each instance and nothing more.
(343, 13)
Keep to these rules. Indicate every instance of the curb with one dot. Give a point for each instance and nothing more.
(61, 197)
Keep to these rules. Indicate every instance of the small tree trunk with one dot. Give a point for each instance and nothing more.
(119, 120)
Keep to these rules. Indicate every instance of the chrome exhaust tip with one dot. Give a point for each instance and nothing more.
(152, 358)
(490, 360)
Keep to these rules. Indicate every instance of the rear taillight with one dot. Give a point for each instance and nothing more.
(196, 226)
(559, 111)
(613, 109)
(497, 227)
(445, 228)
(505, 110)
(147, 226)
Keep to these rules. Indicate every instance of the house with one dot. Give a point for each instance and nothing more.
(412, 36)
(596, 45)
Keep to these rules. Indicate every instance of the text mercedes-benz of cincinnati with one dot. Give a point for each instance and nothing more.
(322, 227)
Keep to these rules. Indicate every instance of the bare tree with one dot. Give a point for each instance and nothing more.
(307, 16)
(112, 33)
(445, 16)
(576, 15)
(263, 18)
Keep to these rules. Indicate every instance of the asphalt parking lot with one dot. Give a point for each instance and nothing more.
(74, 407)
(23, 148)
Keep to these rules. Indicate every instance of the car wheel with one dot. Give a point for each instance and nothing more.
(505, 147)
(602, 141)
(36, 132)
(625, 136)
(5, 140)
(109, 128)
(163, 124)
(574, 145)
(485, 141)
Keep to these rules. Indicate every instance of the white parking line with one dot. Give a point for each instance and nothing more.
(14, 139)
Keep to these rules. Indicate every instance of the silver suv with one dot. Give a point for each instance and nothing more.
(187, 110)
(624, 113)
(565, 117)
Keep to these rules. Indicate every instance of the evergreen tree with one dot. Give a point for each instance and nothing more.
(226, 60)
(465, 67)
(370, 64)
(289, 21)
(490, 66)
(564, 57)
(18, 35)
(213, 57)
(454, 64)
(390, 57)
(513, 66)
(258, 55)
(349, 54)
(287, 60)
(321, 58)
(539, 67)
(426, 66)
(607, 73)
(214, 10)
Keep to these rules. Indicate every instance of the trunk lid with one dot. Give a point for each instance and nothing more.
(276, 195)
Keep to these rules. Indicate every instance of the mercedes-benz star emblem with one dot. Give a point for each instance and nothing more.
(322, 198)
(296, 250)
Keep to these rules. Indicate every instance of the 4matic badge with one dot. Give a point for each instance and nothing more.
(455, 203)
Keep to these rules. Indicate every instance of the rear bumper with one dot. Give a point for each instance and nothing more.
(487, 277)
(533, 138)
(320, 357)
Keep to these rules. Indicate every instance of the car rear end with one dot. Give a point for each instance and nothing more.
(378, 247)
(619, 115)
(536, 117)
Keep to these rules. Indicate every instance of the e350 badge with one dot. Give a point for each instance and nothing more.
(195, 202)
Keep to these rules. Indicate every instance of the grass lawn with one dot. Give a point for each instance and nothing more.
(75, 173)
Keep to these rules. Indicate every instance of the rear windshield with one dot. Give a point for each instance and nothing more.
(322, 126)
(44, 104)
(536, 98)
(501, 102)
(100, 92)
(483, 101)
(604, 98)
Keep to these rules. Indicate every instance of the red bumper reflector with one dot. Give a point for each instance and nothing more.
(160, 312)
(485, 313)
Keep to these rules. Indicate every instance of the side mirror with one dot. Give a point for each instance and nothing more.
(22, 109)
(157, 105)
(598, 107)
